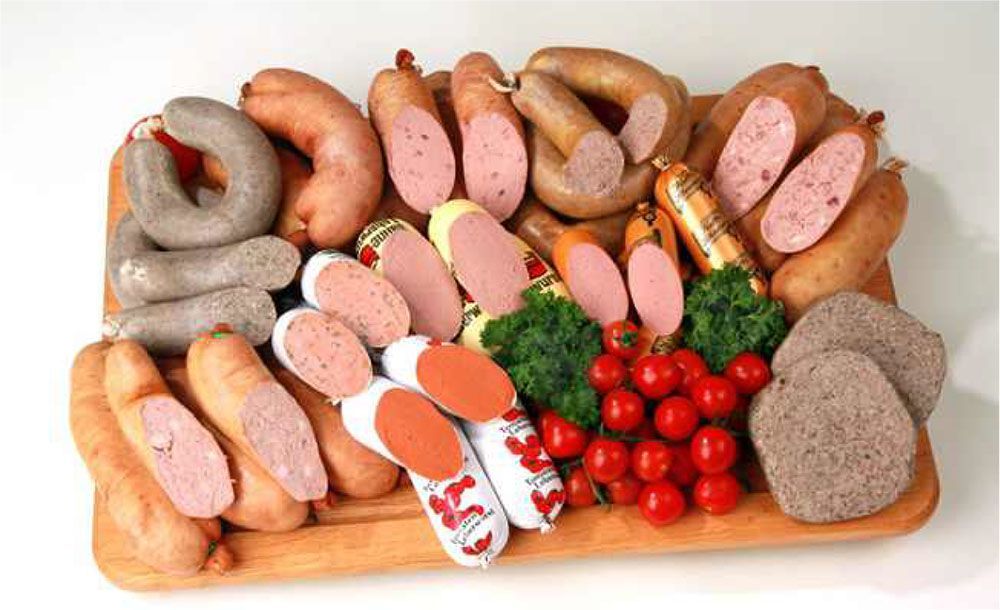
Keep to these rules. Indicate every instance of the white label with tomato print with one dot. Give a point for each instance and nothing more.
(527, 482)
(465, 512)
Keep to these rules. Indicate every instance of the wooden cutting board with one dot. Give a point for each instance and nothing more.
(392, 532)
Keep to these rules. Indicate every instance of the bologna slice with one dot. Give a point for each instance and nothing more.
(814, 194)
(182, 455)
(591, 275)
(394, 249)
(771, 131)
(322, 352)
(404, 427)
(656, 288)
(463, 382)
(510, 450)
(369, 305)
(243, 400)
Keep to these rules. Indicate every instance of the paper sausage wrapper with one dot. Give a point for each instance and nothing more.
(474, 319)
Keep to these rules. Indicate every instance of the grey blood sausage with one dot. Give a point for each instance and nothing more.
(167, 329)
(773, 129)
(494, 155)
(420, 158)
(242, 399)
(591, 276)
(655, 107)
(159, 201)
(455, 493)
(366, 303)
(170, 441)
(154, 530)
(322, 352)
(346, 183)
(394, 249)
(473, 388)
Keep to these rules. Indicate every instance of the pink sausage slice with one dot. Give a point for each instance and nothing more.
(415, 268)
(596, 283)
(487, 263)
(755, 155)
(495, 163)
(421, 161)
(656, 289)
(814, 194)
(324, 353)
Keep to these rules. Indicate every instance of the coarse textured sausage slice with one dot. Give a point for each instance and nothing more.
(367, 304)
(242, 399)
(654, 105)
(156, 532)
(816, 191)
(318, 120)
(167, 329)
(712, 132)
(158, 199)
(594, 160)
(772, 130)
(394, 249)
(494, 157)
(261, 503)
(322, 352)
(421, 160)
(591, 275)
(353, 469)
(463, 382)
(655, 286)
(523, 475)
(404, 427)
(540, 228)
(847, 256)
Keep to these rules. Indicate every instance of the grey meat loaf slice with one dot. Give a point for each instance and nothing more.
(911, 355)
(833, 438)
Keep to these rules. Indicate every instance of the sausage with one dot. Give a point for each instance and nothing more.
(748, 228)
(839, 114)
(420, 158)
(159, 202)
(594, 160)
(807, 202)
(324, 125)
(398, 252)
(353, 469)
(463, 382)
(847, 256)
(654, 105)
(322, 352)
(167, 329)
(127, 240)
(711, 134)
(405, 428)
(523, 475)
(494, 156)
(242, 399)
(649, 224)
(771, 132)
(656, 289)
(540, 228)
(156, 532)
(591, 276)
(364, 302)
(393, 206)
(439, 84)
(261, 503)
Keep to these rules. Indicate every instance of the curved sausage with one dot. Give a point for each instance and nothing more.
(324, 125)
(127, 240)
(591, 275)
(159, 201)
(540, 228)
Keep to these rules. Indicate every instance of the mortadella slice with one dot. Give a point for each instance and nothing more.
(591, 275)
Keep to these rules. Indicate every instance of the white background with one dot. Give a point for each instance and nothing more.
(74, 79)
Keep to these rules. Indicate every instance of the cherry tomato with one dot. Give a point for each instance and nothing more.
(713, 450)
(645, 430)
(622, 410)
(651, 460)
(621, 339)
(661, 503)
(693, 367)
(676, 418)
(717, 494)
(606, 373)
(714, 396)
(682, 470)
(737, 420)
(606, 459)
(187, 159)
(625, 489)
(561, 438)
(748, 372)
(656, 375)
(579, 492)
